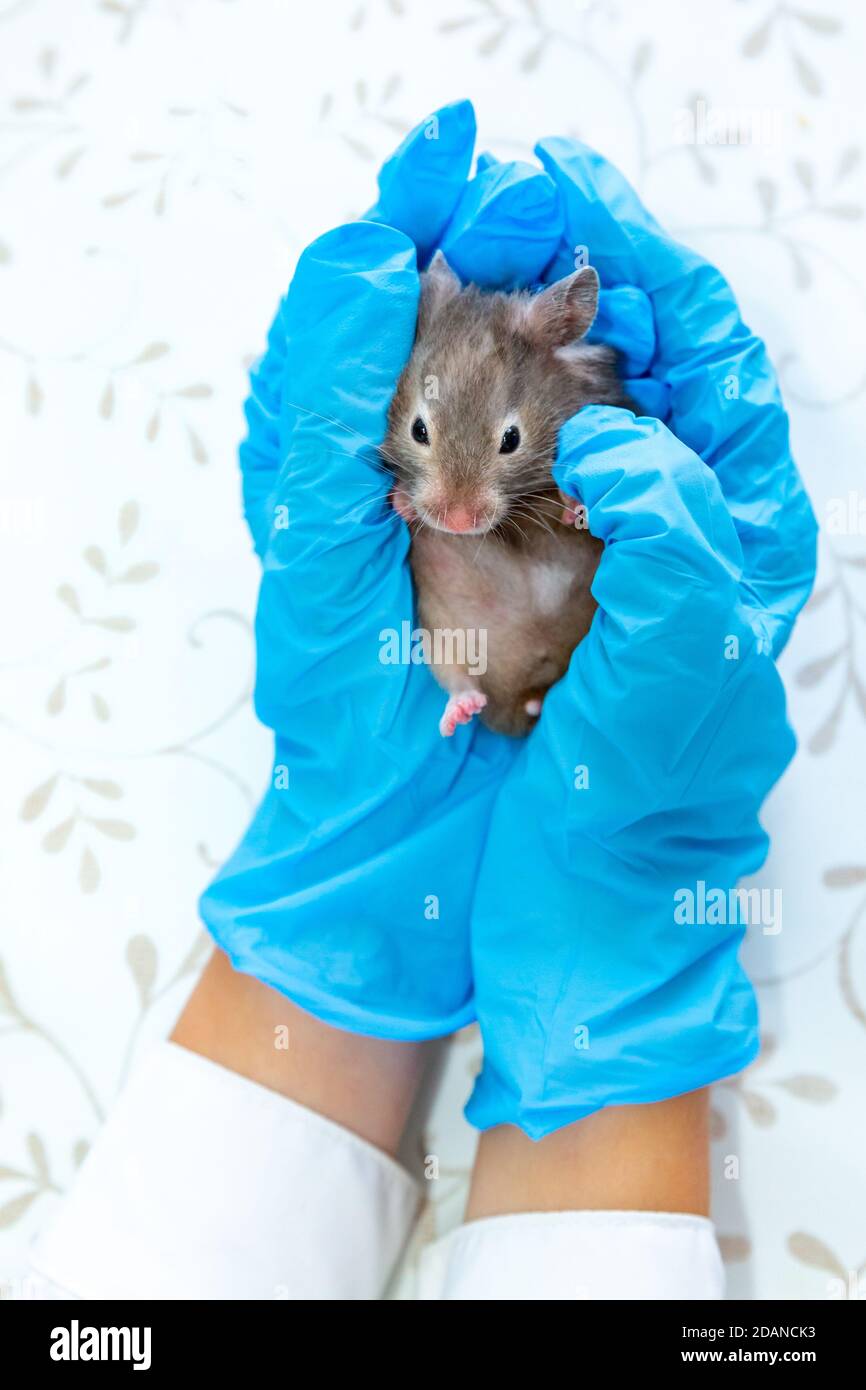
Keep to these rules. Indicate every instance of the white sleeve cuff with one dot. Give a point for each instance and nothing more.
(615, 1255)
(203, 1184)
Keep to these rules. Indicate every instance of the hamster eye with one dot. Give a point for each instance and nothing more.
(510, 440)
(419, 431)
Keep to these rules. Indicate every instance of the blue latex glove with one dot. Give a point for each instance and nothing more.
(351, 890)
(723, 396)
(330, 895)
(419, 189)
(648, 767)
(346, 892)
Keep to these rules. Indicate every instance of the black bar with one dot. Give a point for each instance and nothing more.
(245, 1337)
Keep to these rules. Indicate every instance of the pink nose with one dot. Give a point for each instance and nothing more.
(460, 519)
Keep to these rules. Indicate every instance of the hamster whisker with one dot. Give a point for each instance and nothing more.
(538, 501)
(543, 522)
(384, 476)
(358, 509)
(484, 536)
(511, 520)
(533, 514)
(379, 449)
(384, 473)
(330, 420)
(397, 464)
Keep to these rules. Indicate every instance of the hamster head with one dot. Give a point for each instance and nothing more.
(473, 425)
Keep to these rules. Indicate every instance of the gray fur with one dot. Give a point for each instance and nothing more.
(493, 358)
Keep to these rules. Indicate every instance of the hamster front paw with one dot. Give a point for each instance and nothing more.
(574, 513)
(402, 506)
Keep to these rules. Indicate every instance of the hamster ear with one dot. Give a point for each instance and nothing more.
(439, 284)
(565, 311)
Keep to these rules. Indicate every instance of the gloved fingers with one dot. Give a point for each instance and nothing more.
(419, 187)
(650, 396)
(671, 629)
(694, 308)
(498, 230)
(485, 160)
(506, 227)
(723, 387)
(724, 399)
(348, 322)
(335, 349)
(643, 488)
(334, 571)
(421, 183)
(625, 321)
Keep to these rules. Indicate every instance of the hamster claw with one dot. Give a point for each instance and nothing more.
(460, 709)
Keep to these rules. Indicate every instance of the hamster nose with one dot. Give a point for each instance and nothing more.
(460, 519)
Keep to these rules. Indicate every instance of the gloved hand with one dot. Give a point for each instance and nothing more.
(351, 889)
(645, 774)
(721, 390)
(327, 897)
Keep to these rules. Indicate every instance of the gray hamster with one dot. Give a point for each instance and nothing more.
(502, 564)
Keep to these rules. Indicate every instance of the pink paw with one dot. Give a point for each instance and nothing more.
(573, 513)
(460, 710)
(533, 708)
(402, 506)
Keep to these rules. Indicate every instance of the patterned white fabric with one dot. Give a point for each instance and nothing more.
(162, 163)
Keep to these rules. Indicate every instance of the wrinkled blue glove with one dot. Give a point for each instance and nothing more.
(646, 772)
(714, 373)
(351, 890)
